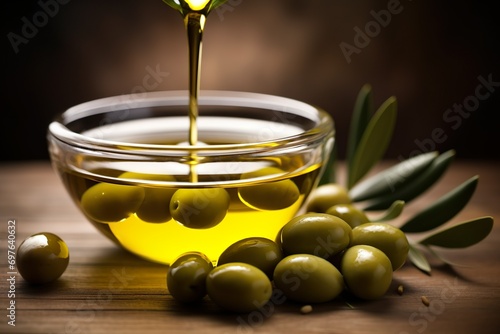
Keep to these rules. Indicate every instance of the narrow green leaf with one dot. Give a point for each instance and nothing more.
(418, 259)
(393, 178)
(462, 235)
(443, 259)
(417, 186)
(216, 3)
(363, 109)
(330, 172)
(393, 212)
(173, 4)
(374, 142)
(443, 209)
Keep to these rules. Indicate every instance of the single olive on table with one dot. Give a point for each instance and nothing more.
(315, 233)
(326, 196)
(186, 277)
(367, 271)
(259, 252)
(42, 258)
(308, 278)
(389, 239)
(239, 287)
(349, 213)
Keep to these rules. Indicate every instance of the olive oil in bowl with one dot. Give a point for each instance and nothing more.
(179, 171)
(130, 195)
(156, 236)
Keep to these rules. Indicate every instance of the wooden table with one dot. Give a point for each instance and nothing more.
(106, 290)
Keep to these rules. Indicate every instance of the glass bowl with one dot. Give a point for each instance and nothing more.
(127, 164)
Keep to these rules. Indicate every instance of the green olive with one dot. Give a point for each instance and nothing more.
(349, 213)
(42, 258)
(308, 279)
(315, 233)
(272, 195)
(110, 203)
(239, 287)
(199, 208)
(155, 206)
(186, 277)
(326, 196)
(367, 271)
(389, 239)
(259, 252)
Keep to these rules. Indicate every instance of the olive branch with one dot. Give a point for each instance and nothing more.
(391, 189)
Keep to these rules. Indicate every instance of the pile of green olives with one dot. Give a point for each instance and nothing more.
(42, 258)
(241, 281)
(364, 256)
(316, 257)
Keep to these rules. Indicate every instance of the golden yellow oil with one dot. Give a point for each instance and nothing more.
(163, 242)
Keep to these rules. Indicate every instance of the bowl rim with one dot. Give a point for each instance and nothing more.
(324, 125)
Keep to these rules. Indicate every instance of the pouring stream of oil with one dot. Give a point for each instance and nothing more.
(195, 14)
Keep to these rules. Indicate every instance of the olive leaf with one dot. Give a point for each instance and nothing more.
(363, 109)
(442, 258)
(417, 186)
(392, 179)
(373, 142)
(392, 188)
(393, 212)
(216, 3)
(173, 4)
(462, 235)
(418, 259)
(443, 209)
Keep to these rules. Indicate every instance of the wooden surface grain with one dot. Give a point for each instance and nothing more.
(107, 290)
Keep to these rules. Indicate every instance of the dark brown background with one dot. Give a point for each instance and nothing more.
(429, 56)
